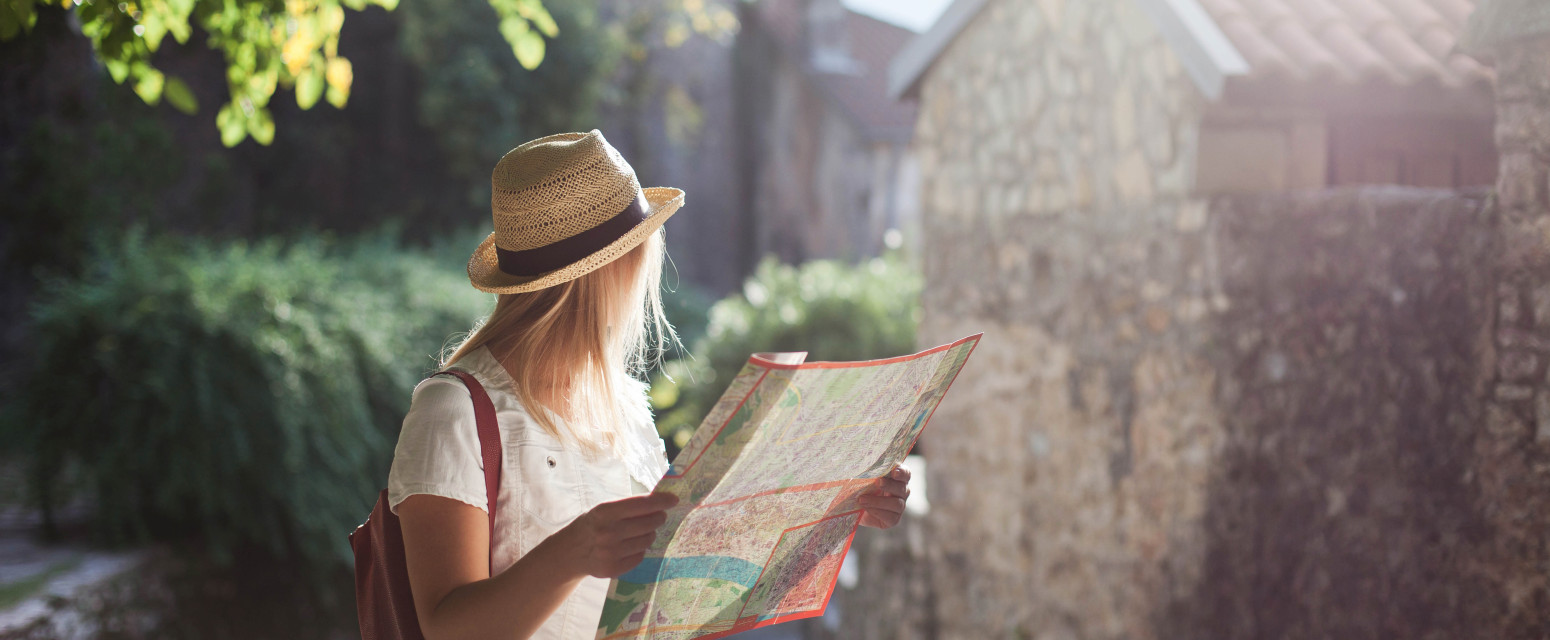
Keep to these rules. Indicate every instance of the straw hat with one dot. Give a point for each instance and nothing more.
(564, 205)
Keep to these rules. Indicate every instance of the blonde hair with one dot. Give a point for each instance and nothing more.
(573, 349)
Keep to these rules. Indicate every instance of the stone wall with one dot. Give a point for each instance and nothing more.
(1342, 498)
(1300, 416)
(1056, 144)
(1514, 444)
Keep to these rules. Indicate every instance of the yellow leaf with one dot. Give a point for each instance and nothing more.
(339, 74)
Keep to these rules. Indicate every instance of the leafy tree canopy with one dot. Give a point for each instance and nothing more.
(266, 44)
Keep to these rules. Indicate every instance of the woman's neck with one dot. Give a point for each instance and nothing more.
(551, 393)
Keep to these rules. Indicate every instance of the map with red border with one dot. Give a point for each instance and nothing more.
(768, 489)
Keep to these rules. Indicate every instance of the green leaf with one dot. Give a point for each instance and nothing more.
(117, 68)
(544, 22)
(513, 28)
(534, 12)
(14, 14)
(261, 126)
(179, 96)
(529, 49)
(338, 97)
(232, 125)
(155, 28)
(148, 85)
(261, 85)
(309, 87)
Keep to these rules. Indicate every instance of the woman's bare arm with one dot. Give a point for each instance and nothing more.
(447, 549)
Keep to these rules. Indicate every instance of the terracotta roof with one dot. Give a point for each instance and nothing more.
(1351, 41)
(872, 44)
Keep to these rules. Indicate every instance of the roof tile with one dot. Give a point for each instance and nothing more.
(1351, 41)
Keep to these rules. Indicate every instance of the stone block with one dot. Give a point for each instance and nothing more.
(1521, 183)
(1527, 243)
(1514, 338)
(1157, 318)
(1517, 365)
(1539, 301)
(1123, 114)
(1191, 216)
(1054, 11)
(1133, 178)
(1542, 416)
(1523, 71)
(1514, 392)
(1522, 126)
(1509, 305)
(1159, 138)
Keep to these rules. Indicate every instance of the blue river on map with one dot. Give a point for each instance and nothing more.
(726, 568)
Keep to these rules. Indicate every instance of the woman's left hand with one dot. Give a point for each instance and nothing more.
(883, 507)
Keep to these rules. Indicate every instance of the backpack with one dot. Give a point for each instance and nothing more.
(382, 598)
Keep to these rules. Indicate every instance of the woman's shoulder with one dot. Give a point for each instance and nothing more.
(441, 390)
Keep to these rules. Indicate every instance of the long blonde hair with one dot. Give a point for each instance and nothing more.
(572, 349)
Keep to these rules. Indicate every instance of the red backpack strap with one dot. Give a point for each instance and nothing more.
(489, 441)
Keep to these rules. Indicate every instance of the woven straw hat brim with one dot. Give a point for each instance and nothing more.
(484, 267)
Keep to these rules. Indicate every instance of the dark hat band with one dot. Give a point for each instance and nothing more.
(541, 260)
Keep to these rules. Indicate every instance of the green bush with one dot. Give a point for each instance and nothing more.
(832, 310)
(231, 397)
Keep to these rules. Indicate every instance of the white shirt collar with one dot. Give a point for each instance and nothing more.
(645, 456)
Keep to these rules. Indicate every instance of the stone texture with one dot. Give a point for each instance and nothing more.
(1319, 415)
(1514, 477)
(1346, 466)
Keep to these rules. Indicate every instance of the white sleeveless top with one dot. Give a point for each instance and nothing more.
(543, 486)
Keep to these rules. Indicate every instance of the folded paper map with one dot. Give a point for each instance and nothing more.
(768, 487)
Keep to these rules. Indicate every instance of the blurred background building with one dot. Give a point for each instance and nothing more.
(826, 150)
(1267, 360)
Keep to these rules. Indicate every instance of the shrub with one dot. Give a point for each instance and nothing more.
(231, 396)
(832, 310)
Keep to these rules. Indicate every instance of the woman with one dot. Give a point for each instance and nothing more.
(576, 257)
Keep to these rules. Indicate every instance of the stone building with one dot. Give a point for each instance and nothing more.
(1204, 406)
(825, 161)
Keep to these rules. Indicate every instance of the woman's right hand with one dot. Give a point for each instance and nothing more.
(613, 537)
